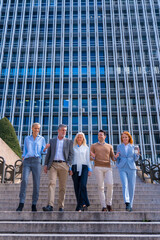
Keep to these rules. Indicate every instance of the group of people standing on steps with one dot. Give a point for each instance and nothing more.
(64, 156)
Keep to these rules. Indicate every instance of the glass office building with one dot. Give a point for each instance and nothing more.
(90, 64)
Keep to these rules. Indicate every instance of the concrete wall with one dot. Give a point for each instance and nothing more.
(7, 153)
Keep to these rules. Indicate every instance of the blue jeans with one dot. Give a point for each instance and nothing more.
(30, 165)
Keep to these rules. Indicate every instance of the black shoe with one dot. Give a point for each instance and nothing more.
(109, 208)
(84, 208)
(20, 207)
(48, 208)
(34, 209)
(104, 209)
(128, 207)
(61, 209)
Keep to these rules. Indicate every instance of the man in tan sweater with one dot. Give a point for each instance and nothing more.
(102, 153)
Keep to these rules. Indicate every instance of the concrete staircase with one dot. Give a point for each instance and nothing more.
(142, 223)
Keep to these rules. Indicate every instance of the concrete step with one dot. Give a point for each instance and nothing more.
(79, 236)
(71, 207)
(79, 227)
(142, 223)
(140, 216)
(93, 200)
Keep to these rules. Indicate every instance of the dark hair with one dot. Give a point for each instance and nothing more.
(102, 132)
(62, 126)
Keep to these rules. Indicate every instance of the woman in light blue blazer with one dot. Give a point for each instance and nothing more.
(127, 168)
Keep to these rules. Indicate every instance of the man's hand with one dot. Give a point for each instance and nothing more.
(92, 154)
(117, 155)
(70, 172)
(45, 169)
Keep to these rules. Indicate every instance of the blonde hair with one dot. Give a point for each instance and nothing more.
(84, 139)
(129, 135)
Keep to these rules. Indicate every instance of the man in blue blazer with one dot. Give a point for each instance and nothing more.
(57, 161)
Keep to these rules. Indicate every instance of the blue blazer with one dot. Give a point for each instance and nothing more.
(130, 157)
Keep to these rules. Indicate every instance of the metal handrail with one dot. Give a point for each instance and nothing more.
(10, 173)
(17, 170)
(149, 171)
(2, 169)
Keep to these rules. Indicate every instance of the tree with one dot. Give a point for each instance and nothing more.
(8, 135)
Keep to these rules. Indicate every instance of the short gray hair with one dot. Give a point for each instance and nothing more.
(62, 126)
(36, 123)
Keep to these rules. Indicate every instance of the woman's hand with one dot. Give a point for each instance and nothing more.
(89, 173)
(92, 154)
(117, 155)
(46, 147)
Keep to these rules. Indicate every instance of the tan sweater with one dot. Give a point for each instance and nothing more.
(103, 154)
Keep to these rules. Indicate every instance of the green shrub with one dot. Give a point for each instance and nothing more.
(8, 135)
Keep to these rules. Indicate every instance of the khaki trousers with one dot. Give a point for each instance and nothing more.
(104, 177)
(59, 170)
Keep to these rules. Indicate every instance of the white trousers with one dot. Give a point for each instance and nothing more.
(104, 178)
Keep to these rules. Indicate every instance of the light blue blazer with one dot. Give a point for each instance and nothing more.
(130, 157)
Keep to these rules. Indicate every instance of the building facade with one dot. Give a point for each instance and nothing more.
(90, 64)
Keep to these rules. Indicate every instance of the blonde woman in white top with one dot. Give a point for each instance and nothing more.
(81, 169)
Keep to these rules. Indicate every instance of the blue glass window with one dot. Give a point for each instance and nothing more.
(13, 72)
(65, 120)
(75, 70)
(111, 70)
(84, 102)
(65, 103)
(75, 120)
(46, 102)
(4, 71)
(94, 120)
(75, 105)
(56, 102)
(57, 71)
(103, 85)
(39, 71)
(25, 120)
(31, 72)
(104, 120)
(94, 102)
(16, 120)
(36, 118)
(84, 120)
(66, 71)
(93, 70)
(48, 71)
(84, 70)
(102, 71)
(55, 120)
(1, 86)
(93, 85)
(45, 120)
(52, 2)
(94, 138)
(103, 101)
(47, 85)
(75, 55)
